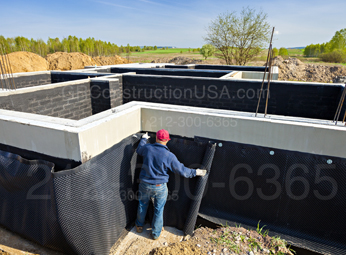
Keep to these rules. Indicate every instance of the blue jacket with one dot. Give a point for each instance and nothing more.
(157, 161)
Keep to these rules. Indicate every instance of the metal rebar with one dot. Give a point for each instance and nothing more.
(10, 69)
(2, 85)
(7, 80)
(265, 71)
(3, 69)
(342, 103)
(268, 87)
(3, 72)
(338, 110)
(343, 120)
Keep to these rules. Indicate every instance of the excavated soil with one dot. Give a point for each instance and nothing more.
(292, 69)
(114, 60)
(69, 61)
(22, 61)
(226, 241)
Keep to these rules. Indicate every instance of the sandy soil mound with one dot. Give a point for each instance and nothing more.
(22, 61)
(296, 70)
(69, 61)
(177, 249)
(226, 240)
(178, 60)
(114, 60)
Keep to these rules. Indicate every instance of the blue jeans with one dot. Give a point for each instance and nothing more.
(159, 194)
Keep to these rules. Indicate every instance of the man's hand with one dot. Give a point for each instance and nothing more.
(201, 172)
(146, 136)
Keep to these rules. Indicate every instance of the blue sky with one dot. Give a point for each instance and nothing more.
(166, 23)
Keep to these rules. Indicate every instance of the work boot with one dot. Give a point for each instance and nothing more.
(156, 237)
(139, 229)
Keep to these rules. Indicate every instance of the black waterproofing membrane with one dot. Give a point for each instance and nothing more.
(83, 210)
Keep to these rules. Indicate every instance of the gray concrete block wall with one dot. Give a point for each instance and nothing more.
(230, 67)
(70, 102)
(105, 94)
(59, 76)
(116, 92)
(171, 72)
(289, 99)
(24, 81)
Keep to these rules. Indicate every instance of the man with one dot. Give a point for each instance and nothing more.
(158, 160)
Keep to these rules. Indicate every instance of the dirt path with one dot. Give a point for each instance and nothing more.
(13, 244)
(138, 244)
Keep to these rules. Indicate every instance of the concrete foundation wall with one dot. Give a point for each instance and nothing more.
(58, 76)
(71, 101)
(105, 94)
(80, 140)
(233, 68)
(171, 72)
(308, 100)
(24, 80)
(223, 125)
(33, 133)
(76, 140)
(189, 66)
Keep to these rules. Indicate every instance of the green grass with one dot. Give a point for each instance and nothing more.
(295, 52)
(169, 51)
(227, 238)
(260, 230)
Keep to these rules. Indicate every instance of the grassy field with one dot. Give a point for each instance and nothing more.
(166, 55)
(169, 51)
(293, 53)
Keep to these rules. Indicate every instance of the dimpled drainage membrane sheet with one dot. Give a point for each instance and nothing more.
(300, 196)
(85, 209)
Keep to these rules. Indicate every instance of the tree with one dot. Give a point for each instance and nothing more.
(283, 52)
(339, 40)
(275, 52)
(239, 37)
(128, 51)
(207, 50)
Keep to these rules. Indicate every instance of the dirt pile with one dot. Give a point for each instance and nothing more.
(22, 61)
(292, 69)
(226, 240)
(178, 60)
(114, 60)
(69, 61)
(177, 249)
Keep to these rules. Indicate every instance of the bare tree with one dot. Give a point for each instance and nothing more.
(239, 37)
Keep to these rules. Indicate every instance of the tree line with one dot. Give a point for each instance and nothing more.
(89, 46)
(332, 51)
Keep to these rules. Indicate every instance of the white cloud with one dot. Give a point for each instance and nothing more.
(116, 5)
(276, 32)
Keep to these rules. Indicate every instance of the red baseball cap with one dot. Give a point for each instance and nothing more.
(162, 135)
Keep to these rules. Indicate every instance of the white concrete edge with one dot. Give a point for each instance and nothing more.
(59, 123)
(15, 75)
(226, 76)
(43, 87)
(275, 70)
(314, 139)
(99, 132)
